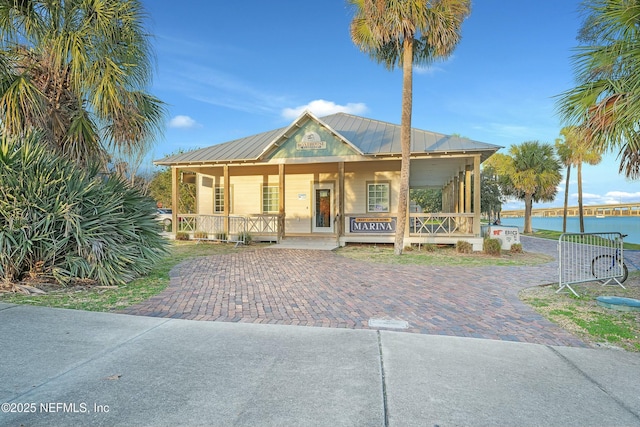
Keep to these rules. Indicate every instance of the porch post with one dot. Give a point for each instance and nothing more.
(476, 195)
(281, 205)
(461, 192)
(340, 225)
(454, 198)
(174, 199)
(467, 188)
(227, 199)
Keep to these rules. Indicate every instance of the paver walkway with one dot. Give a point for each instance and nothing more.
(320, 288)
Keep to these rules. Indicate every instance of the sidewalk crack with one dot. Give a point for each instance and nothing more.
(594, 382)
(383, 379)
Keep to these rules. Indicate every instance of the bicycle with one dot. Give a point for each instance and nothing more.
(603, 265)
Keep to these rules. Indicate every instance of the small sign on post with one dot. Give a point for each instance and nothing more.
(507, 235)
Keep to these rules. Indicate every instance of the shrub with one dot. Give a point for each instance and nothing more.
(61, 221)
(182, 235)
(429, 247)
(516, 248)
(200, 235)
(464, 247)
(245, 237)
(492, 246)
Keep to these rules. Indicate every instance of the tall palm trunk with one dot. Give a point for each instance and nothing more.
(405, 142)
(528, 206)
(580, 211)
(566, 201)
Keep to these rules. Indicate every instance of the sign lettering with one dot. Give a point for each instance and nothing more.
(372, 225)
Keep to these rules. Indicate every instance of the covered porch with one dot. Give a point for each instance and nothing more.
(327, 201)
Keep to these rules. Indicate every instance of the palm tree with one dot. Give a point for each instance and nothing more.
(401, 34)
(530, 172)
(606, 66)
(564, 153)
(575, 150)
(77, 71)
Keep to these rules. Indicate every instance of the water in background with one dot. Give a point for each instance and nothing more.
(622, 224)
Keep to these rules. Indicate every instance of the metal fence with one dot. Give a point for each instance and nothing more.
(588, 257)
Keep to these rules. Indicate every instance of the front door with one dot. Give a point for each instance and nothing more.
(322, 208)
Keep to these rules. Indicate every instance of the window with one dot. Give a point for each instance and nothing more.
(218, 199)
(270, 199)
(378, 197)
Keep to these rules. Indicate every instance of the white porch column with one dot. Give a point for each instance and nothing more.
(281, 205)
(467, 188)
(174, 199)
(227, 199)
(461, 192)
(476, 195)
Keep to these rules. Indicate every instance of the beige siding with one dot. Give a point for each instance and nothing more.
(204, 192)
(299, 190)
(247, 194)
(298, 198)
(355, 184)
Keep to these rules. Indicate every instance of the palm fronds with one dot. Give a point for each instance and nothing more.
(65, 222)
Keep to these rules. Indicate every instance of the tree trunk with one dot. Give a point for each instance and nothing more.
(528, 206)
(566, 201)
(405, 142)
(580, 212)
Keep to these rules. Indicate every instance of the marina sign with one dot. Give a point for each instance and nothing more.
(372, 225)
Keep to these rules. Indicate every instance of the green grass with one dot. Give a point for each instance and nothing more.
(138, 290)
(583, 317)
(607, 328)
(441, 256)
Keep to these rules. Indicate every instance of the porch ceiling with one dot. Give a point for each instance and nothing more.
(436, 172)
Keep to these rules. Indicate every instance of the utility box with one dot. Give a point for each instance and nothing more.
(507, 235)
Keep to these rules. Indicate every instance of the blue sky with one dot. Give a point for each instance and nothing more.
(232, 69)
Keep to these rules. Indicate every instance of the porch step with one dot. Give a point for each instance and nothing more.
(309, 243)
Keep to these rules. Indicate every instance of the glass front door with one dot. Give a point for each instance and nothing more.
(323, 208)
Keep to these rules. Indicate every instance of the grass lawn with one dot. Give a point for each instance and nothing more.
(438, 255)
(583, 317)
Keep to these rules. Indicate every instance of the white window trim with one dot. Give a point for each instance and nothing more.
(216, 189)
(277, 208)
(388, 185)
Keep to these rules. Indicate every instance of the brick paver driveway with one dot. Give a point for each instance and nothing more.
(320, 288)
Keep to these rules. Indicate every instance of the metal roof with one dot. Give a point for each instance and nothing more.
(370, 137)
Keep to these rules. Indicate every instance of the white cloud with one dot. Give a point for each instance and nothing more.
(321, 107)
(430, 69)
(623, 196)
(182, 122)
(426, 69)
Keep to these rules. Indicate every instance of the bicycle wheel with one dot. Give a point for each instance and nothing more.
(602, 265)
(625, 273)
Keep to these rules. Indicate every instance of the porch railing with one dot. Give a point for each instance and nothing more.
(449, 224)
(223, 227)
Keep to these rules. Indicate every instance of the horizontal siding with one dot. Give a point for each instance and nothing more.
(298, 199)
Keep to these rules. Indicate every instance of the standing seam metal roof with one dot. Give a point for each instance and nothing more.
(371, 137)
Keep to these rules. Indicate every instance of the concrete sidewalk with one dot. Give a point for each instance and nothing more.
(65, 367)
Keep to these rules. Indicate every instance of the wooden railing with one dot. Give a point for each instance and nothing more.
(449, 224)
(221, 227)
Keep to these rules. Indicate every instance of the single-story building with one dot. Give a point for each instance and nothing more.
(333, 177)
